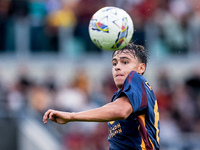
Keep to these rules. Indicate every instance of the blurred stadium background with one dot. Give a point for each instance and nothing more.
(47, 60)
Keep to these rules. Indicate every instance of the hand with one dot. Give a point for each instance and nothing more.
(56, 116)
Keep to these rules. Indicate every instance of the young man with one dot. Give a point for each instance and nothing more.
(132, 114)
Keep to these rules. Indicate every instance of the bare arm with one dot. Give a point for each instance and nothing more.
(117, 110)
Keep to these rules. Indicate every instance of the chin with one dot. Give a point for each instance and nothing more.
(119, 86)
(119, 83)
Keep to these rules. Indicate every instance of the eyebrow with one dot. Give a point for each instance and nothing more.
(121, 58)
(124, 58)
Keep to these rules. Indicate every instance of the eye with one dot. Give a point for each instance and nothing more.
(114, 63)
(125, 62)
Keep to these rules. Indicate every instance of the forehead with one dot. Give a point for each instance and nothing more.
(124, 53)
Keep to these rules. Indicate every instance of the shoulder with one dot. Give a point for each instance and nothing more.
(133, 83)
(134, 78)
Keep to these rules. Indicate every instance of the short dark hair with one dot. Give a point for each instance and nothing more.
(137, 50)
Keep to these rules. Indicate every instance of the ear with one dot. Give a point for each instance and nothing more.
(141, 68)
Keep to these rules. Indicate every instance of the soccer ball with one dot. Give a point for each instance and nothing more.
(111, 28)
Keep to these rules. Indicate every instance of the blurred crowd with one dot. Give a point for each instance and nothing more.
(179, 105)
(28, 98)
(165, 27)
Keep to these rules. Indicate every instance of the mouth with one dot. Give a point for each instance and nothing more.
(119, 75)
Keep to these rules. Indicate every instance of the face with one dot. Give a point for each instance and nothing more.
(123, 63)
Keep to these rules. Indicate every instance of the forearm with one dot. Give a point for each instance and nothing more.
(102, 114)
(117, 110)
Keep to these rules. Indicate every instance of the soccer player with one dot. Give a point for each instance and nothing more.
(132, 114)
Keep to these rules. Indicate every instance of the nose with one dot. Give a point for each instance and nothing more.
(117, 67)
